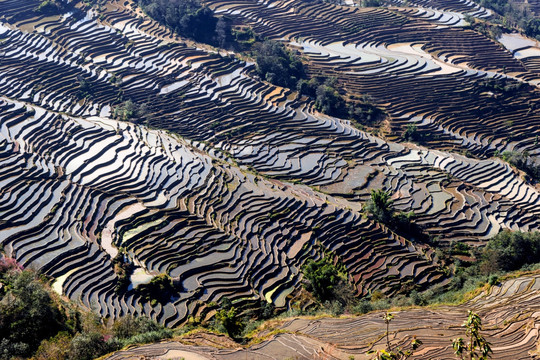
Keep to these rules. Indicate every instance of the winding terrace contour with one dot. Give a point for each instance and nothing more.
(182, 198)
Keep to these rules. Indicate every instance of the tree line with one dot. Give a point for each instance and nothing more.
(514, 14)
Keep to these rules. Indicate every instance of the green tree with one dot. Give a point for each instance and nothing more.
(129, 111)
(223, 31)
(187, 18)
(411, 133)
(129, 326)
(27, 314)
(277, 65)
(509, 251)
(228, 318)
(380, 205)
(159, 289)
(88, 346)
(322, 276)
(50, 7)
(85, 88)
(123, 268)
(532, 27)
(57, 348)
(477, 347)
(329, 101)
(523, 162)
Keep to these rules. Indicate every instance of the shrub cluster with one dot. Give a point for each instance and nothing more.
(524, 162)
(158, 290)
(277, 65)
(381, 207)
(514, 14)
(238, 323)
(50, 7)
(327, 98)
(37, 323)
(188, 18)
(509, 251)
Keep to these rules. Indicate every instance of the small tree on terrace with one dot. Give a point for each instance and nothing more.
(478, 348)
(322, 276)
(394, 354)
(380, 205)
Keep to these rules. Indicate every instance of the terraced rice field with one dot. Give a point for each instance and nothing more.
(420, 65)
(512, 330)
(231, 184)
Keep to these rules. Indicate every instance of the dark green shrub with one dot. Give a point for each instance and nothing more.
(493, 280)
(159, 289)
(380, 205)
(277, 65)
(129, 326)
(27, 314)
(509, 251)
(188, 18)
(322, 276)
(148, 337)
(363, 307)
(57, 348)
(50, 7)
(523, 162)
(88, 346)
(228, 320)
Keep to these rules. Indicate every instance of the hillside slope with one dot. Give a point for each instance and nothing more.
(510, 314)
